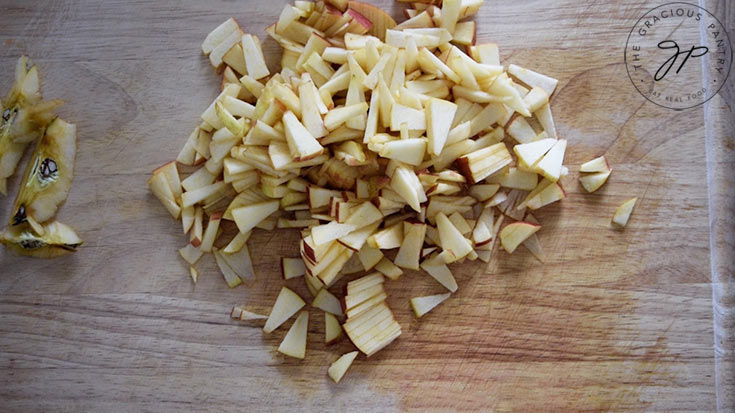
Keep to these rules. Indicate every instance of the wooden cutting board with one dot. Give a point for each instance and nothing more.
(614, 320)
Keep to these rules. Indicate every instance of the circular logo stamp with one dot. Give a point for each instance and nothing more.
(678, 55)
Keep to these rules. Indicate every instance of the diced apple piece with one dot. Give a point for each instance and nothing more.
(536, 98)
(481, 163)
(485, 53)
(532, 152)
(464, 33)
(546, 192)
(237, 243)
(294, 344)
(216, 36)
(171, 173)
(218, 53)
(503, 86)
(407, 185)
(423, 37)
(438, 270)
(328, 302)
(410, 151)
(310, 111)
(483, 192)
(533, 79)
(550, 165)
(301, 142)
(338, 369)
(422, 19)
(211, 232)
(516, 178)
(546, 120)
(248, 217)
(387, 238)
(514, 234)
(330, 232)
(254, 59)
(439, 117)
(190, 254)
(162, 191)
(598, 164)
(288, 15)
(422, 305)
(369, 256)
(292, 268)
(356, 240)
(450, 14)
(521, 130)
(332, 329)
(622, 214)
(239, 313)
(197, 231)
(452, 239)
(287, 304)
(593, 181)
(232, 279)
(337, 116)
(413, 118)
(389, 269)
(240, 262)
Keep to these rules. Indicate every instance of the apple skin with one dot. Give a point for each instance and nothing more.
(359, 18)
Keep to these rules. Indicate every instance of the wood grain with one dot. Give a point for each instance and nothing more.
(615, 320)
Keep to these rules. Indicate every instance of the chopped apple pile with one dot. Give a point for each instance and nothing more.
(49, 173)
(392, 147)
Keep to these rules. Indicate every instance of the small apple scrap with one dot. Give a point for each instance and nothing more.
(26, 117)
(622, 214)
(391, 147)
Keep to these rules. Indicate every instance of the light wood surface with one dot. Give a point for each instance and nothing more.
(615, 320)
